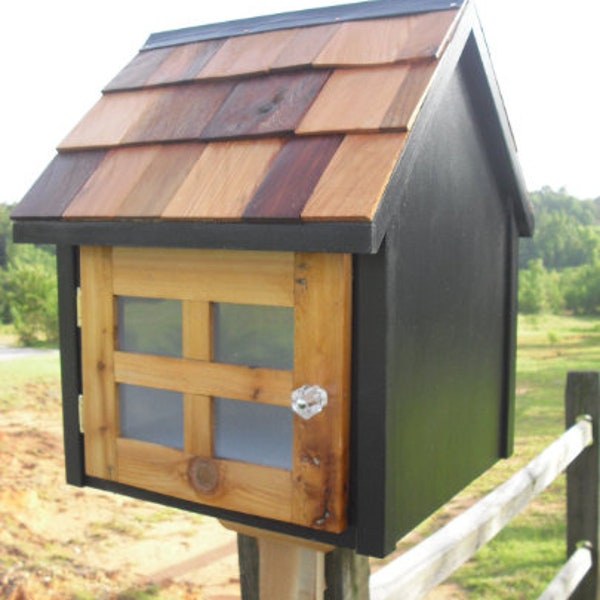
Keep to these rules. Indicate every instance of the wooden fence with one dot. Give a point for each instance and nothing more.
(342, 575)
(426, 565)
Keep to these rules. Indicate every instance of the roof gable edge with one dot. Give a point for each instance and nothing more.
(499, 124)
(467, 38)
(448, 62)
(301, 18)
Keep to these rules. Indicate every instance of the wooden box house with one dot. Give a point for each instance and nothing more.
(287, 270)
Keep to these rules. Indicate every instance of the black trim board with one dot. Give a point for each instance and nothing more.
(345, 539)
(302, 18)
(358, 237)
(369, 456)
(68, 280)
(510, 337)
(495, 126)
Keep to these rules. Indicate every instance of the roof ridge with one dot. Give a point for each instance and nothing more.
(302, 18)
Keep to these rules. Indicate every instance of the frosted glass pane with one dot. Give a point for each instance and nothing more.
(253, 432)
(149, 325)
(151, 415)
(258, 336)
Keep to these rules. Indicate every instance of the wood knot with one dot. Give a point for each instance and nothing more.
(203, 474)
(267, 107)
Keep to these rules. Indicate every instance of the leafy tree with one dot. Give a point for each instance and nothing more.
(5, 249)
(539, 290)
(5, 235)
(582, 289)
(560, 265)
(559, 201)
(30, 290)
(567, 232)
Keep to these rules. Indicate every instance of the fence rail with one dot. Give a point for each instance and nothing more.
(416, 572)
(571, 575)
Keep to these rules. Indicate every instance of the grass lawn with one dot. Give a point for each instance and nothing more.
(522, 560)
(21, 378)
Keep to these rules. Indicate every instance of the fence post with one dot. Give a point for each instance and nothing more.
(582, 396)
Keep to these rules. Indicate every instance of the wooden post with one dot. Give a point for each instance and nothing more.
(272, 569)
(582, 397)
(287, 571)
(248, 562)
(346, 575)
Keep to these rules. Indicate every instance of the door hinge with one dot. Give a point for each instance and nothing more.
(78, 307)
(80, 410)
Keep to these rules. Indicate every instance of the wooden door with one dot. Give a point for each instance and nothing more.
(189, 361)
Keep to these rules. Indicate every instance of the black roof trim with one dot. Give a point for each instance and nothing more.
(301, 18)
(355, 237)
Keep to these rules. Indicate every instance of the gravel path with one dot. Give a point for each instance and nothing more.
(9, 353)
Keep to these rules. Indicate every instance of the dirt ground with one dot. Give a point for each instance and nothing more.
(62, 542)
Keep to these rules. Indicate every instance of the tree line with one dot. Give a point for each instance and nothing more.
(560, 265)
(559, 268)
(28, 287)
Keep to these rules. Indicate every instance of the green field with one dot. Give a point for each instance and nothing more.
(21, 378)
(522, 560)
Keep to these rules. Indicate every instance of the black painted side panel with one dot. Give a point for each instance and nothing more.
(444, 392)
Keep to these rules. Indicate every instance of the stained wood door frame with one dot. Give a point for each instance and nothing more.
(313, 492)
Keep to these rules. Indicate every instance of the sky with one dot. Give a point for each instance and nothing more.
(57, 55)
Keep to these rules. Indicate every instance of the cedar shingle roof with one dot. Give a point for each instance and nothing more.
(300, 122)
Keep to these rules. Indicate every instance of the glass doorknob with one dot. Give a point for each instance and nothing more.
(308, 400)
